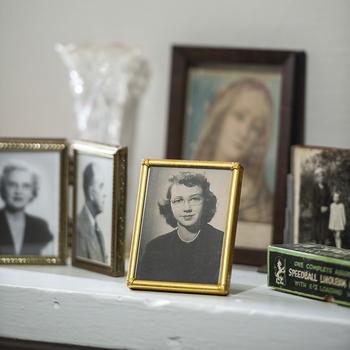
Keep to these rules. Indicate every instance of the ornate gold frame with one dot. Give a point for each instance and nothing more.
(119, 156)
(43, 145)
(222, 288)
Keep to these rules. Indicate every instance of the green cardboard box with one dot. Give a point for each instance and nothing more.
(310, 270)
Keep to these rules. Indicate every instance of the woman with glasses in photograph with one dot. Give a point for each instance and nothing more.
(192, 251)
(20, 233)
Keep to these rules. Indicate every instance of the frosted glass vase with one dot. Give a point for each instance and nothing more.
(107, 82)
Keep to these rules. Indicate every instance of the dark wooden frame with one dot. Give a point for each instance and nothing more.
(292, 65)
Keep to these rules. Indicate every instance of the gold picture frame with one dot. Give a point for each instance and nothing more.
(34, 174)
(106, 160)
(227, 177)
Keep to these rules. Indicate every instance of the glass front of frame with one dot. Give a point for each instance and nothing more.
(99, 207)
(94, 191)
(321, 196)
(32, 204)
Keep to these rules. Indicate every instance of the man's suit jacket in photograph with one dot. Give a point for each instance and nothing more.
(89, 243)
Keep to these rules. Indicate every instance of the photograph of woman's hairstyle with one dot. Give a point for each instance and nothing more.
(238, 127)
(5, 179)
(189, 180)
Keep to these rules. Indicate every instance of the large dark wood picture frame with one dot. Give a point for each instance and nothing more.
(291, 67)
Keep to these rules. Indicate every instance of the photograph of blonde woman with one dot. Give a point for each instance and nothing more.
(29, 203)
(20, 233)
(236, 116)
(238, 128)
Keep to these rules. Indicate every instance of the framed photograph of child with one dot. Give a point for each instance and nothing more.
(99, 191)
(185, 226)
(33, 201)
(245, 105)
(321, 195)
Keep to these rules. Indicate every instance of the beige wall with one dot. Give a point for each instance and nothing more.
(34, 95)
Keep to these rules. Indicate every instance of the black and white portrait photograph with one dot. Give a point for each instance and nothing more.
(321, 196)
(30, 190)
(183, 225)
(93, 222)
(99, 200)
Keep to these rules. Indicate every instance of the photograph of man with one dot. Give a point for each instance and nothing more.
(20, 232)
(90, 243)
(192, 251)
(321, 201)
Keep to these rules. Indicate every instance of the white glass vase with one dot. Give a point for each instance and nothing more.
(107, 82)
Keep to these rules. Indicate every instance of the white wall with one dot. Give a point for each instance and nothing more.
(34, 95)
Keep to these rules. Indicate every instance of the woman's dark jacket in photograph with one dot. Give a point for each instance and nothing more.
(168, 258)
(36, 236)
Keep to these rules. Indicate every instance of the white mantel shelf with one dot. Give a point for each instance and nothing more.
(73, 306)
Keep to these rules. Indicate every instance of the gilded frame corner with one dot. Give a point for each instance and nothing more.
(43, 145)
(119, 185)
(223, 285)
